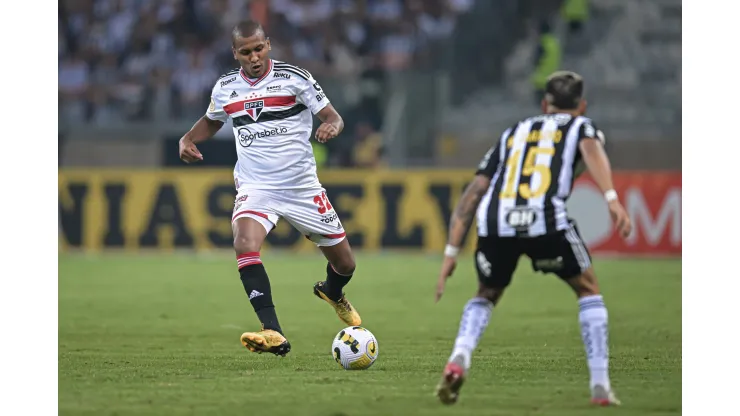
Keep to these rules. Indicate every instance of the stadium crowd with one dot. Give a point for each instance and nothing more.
(130, 60)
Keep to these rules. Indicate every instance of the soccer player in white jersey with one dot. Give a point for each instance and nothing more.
(271, 105)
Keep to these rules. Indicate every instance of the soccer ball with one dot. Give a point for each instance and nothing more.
(355, 348)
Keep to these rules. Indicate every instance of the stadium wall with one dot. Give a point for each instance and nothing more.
(167, 209)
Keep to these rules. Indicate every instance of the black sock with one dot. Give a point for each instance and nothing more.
(257, 285)
(335, 282)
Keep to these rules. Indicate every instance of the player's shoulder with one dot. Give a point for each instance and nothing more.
(289, 70)
(227, 78)
(589, 129)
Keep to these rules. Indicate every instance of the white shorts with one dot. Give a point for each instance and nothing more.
(308, 210)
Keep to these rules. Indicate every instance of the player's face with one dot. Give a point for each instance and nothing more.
(252, 54)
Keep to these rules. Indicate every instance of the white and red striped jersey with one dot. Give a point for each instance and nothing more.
(273, 125)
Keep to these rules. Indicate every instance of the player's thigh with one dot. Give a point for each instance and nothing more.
(563, 254)
(311, 213)
(254, 216)
(496, 259)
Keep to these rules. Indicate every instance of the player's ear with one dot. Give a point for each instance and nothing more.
(544, 106)
(233, 51)
(269, 44)
(582, 106)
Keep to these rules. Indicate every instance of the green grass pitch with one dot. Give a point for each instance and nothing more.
(159, 334)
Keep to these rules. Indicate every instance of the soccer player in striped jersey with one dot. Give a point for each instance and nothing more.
(519, 194)
(271, 105)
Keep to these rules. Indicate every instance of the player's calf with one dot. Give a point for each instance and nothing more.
(339, 270)
(594, 320)
(248, 238)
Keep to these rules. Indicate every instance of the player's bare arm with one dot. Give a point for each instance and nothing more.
(599, 167)
(331, 124)
(202, 130)
(462, 218)
(465, 210)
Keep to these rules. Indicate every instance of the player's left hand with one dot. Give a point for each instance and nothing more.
(326, 132)
(448, 266)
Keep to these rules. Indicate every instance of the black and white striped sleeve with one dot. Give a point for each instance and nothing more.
(493, 158)
(588, 130)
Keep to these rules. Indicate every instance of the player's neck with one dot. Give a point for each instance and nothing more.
(555, 110)
(265, 69)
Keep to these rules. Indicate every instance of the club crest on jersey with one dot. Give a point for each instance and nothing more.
(254, 109)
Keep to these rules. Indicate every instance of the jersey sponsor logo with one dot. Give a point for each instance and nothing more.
(254, 108)
(281, 75)
(247, 136)
(228, 81)
(233, 95)
(316, 86)
(320, 96)
(274, 88)
(521, 218)
(328, 219)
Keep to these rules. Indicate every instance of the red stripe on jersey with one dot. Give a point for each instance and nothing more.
(281, 101)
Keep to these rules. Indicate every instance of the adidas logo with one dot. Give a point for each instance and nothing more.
(254, 294)
(233, 94)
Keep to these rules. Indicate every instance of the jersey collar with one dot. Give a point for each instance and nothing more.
(257, 81)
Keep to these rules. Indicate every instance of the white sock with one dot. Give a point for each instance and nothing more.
(474, 321)
(595, 333)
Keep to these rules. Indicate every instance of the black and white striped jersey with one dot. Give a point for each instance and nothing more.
(532, 170)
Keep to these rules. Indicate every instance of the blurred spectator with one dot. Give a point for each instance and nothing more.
(74, 79)
(575, 13)
(368, 149)
(547, 59)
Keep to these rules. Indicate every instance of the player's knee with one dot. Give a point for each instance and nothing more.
(247, 244)
(491, 293)
(345, 266)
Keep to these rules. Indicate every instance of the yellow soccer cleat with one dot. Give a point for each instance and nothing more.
(266, 340)
(344, 309)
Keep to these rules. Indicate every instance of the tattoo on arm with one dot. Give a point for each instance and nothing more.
(464, 213)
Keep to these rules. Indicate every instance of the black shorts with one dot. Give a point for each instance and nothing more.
(562, 253)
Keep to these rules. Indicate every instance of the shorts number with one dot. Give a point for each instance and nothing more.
(323, 202)
(528, 169)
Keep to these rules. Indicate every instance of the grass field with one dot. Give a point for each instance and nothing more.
(156, 334)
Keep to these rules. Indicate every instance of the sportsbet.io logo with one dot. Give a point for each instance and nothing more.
(246, 136)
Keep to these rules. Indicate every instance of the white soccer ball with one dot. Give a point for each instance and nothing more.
(355, 348)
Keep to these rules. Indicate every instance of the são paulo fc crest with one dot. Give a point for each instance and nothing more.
(254, 108)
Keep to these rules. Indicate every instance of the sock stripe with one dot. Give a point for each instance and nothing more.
(248, 259)
(591, 303)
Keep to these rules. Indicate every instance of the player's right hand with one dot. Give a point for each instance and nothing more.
(448, 266)
(620, 218)
(188, 152)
